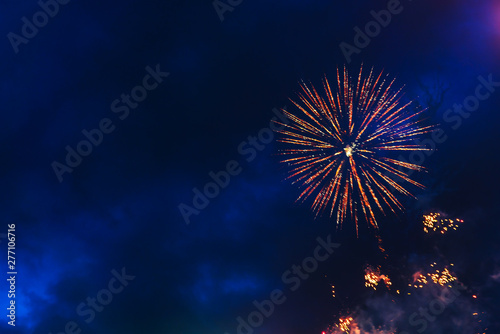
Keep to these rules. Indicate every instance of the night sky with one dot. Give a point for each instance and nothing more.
(160, 95)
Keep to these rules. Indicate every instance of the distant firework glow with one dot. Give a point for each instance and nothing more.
(339, 149)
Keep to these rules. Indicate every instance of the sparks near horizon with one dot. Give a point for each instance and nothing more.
(349, 325)
(339, 148)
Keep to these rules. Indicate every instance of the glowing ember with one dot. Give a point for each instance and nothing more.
(440, 277)
(435, 222)
(373, 277)
(350, 325)
(344, 324)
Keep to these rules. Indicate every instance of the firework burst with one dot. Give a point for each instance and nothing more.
(435, 222)
(339, 147)
(373, 277)
(439, 277)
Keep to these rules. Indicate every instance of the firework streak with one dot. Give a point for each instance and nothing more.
(339, 146)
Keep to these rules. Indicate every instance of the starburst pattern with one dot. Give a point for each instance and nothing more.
(339, 145)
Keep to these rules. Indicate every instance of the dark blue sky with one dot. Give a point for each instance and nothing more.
(118, 208)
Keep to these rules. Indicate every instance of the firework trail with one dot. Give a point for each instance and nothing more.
(339, 148)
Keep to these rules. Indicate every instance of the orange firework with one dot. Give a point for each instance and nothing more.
(373, 277)
(435, 222)
(350, 325)
(339, 147)
(344, 324)
(439, 277)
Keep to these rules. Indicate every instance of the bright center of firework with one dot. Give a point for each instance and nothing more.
(349, 150)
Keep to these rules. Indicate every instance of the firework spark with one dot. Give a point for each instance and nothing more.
(340, 147)
(435, 222)
(440, 277)
(345, 324)
(373, 277)
(348, 324)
